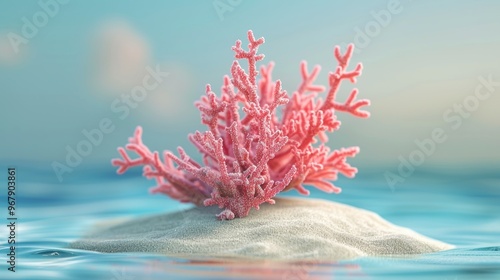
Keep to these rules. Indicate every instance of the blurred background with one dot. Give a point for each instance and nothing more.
(71, 68)
(77, 77)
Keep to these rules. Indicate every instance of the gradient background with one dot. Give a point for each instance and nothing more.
(417, 65)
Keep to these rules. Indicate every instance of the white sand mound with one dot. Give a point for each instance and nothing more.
(293, 229)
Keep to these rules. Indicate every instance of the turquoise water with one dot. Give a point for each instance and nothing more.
(461, 210)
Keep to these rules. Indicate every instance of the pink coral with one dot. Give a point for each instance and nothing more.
(248, 160)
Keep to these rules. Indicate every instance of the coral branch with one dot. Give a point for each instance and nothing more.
(251, 55)
(335, 80)
(353, 108)
(188, 189)
(249, 159)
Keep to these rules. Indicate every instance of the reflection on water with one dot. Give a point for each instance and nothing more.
(47, 263)
(261, 269)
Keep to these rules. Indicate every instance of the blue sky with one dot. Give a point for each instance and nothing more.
(423, 63)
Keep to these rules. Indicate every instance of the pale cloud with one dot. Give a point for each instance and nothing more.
(120, 55)
(8, 55)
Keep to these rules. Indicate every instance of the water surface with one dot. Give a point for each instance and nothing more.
(462, 211)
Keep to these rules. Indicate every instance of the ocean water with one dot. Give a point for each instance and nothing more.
(461, 210)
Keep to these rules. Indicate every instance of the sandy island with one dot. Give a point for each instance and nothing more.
(293, 229)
